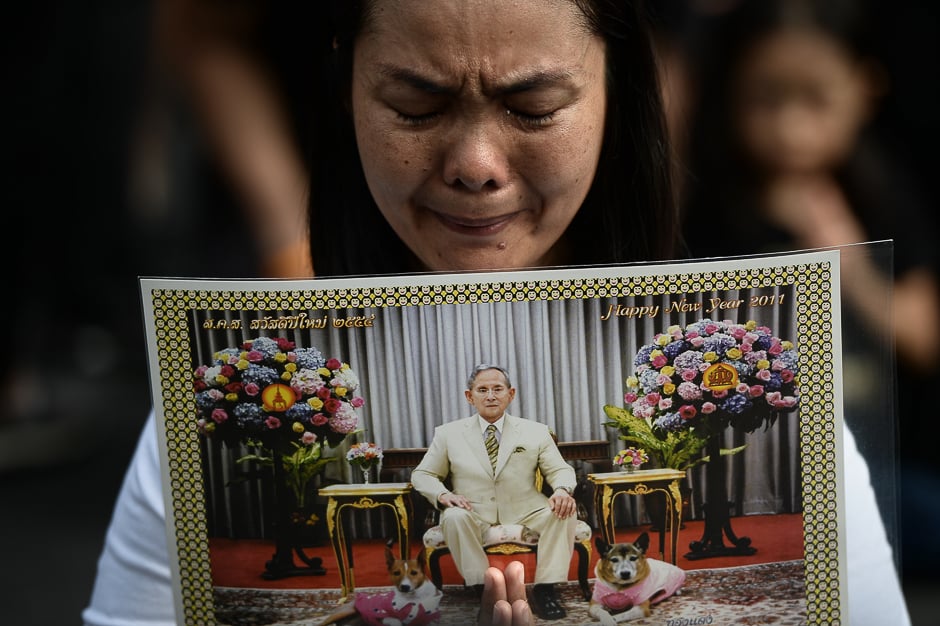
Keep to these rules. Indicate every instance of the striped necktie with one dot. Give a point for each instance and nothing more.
(492, 445)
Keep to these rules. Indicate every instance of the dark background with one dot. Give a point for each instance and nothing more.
(102, 186)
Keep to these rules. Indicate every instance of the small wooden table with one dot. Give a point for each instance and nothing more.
(395, 496)
(609, 485)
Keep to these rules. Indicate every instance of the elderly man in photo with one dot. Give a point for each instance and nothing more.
(491, 460)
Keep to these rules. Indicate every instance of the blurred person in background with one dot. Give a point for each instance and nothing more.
(236, 73)
(784, 154)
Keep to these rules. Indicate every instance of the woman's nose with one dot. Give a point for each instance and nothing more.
(475, 156)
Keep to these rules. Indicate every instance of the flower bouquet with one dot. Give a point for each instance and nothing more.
(365, 456)
(271, 394)
(630, 459)
(690, 383)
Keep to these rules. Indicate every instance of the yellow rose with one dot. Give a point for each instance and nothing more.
(633, 382)
(667, 370)
(669, 389)
(315, 403)
(734, 353)
(710, 357)
(763, 364)
(297, 427)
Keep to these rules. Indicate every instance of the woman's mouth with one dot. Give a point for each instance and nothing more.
(482, 227)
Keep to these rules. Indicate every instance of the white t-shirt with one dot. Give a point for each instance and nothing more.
(133, 583)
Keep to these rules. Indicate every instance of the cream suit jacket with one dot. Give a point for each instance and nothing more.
(457, 452)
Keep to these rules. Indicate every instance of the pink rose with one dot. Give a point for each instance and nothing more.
(687, 411)
(219, 415)
(319, 419)
(659, 360)
(708, 407)
(254, 356)
(272, 422)
(252, 389)
(756, 391)
(308, 438)
(357, 402)
(334, 364)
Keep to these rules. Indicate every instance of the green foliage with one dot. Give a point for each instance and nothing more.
(305, 462)
(677, 450)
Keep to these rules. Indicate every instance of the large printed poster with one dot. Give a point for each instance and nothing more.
(262, 387)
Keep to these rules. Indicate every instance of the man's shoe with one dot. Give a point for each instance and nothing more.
(546, 604)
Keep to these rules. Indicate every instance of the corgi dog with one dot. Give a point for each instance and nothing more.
(627, 583)
(413, 599)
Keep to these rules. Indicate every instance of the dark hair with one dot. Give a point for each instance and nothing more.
(628, 215)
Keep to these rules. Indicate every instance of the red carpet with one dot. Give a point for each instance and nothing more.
(239, 563)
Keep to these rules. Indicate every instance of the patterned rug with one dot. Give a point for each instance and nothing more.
(772, 593)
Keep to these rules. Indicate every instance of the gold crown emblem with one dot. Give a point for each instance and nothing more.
(720, 376)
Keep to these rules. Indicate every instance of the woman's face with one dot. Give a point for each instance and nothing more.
(801, 101)
(479, 125)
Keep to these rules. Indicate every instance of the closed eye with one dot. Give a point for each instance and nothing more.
(417, 120)
(533, 119)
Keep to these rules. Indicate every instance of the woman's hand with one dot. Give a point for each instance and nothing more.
(504, 601)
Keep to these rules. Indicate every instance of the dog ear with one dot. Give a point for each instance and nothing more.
(389, 555)
(422, 559)
(602, 546)
(643, 541)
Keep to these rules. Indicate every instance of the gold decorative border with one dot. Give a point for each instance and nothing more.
(813, 287)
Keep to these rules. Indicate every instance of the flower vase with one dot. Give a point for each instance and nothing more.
(366, 472)
(628, 468)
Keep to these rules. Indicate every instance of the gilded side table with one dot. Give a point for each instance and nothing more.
(609, 485)
(395, 496)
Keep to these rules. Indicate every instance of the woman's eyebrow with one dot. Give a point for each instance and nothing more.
(509, 86)
(532, 80)
(415, 80)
